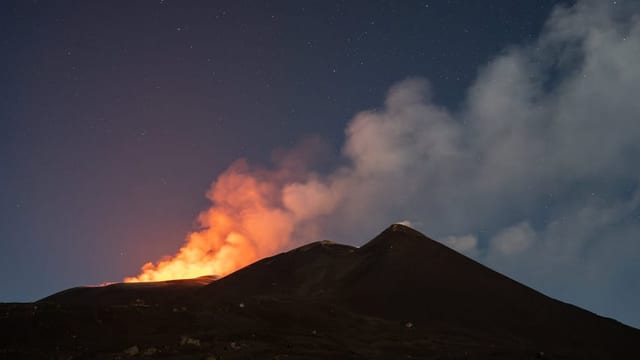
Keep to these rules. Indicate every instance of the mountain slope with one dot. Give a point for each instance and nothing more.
(130, 293)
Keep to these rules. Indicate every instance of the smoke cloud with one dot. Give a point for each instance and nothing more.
(536, 175)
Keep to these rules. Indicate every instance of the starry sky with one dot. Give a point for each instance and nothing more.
(506, 130)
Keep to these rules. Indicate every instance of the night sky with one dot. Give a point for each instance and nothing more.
(507, 130)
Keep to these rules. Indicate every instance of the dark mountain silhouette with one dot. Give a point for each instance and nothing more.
(401, 295)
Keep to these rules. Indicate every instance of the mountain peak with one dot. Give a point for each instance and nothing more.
(399, 228)
(324, 245)
(399, 235)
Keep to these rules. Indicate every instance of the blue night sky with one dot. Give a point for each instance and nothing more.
(506, 130)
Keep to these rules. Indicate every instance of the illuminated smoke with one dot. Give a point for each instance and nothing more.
(244, 224)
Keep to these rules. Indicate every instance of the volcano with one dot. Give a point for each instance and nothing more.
(401, 295)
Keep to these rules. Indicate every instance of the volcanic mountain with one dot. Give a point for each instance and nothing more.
(401, 295)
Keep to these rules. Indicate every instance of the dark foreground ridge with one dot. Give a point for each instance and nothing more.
(401, 295)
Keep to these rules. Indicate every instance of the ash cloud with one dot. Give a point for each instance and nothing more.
(535, 176)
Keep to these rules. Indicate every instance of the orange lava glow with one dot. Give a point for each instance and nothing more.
(241, 227)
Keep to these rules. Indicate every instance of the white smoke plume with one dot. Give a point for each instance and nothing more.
(537, 175)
